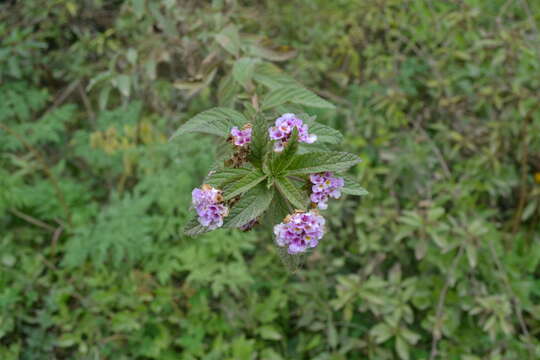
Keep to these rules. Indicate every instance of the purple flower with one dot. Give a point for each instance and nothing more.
(283, 129)
(300, 231)
(241, 137)
(325, 185)
(207, 201)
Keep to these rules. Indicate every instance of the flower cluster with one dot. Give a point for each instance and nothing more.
(283, 130)
(300, 231)
(325, 185)
(208, 204)
(241, 137)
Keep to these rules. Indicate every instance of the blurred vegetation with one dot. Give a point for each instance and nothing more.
(440, 261)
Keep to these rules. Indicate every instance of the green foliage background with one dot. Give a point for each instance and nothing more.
(440, 261)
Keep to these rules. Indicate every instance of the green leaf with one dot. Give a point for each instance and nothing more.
(259, 141)
(298, 198)
(229, 39)
(243, 184)
(381, 332)
(282, 160)
(325, 134)
(272, 77)
(225, 176)
(122, 82)
(321, 161)
(402, 348)
(193, 228)
(250, 206)
(269, 332)
(296, 95)
(217, 121)
(351, 187)
(243, 70)
(227, 90)
(278, 209)
(271, 54)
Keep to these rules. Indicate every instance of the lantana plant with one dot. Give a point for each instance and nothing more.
(274, 167)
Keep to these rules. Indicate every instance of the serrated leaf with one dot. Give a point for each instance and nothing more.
(259, 141)
(227, 90)
(229, 39)
(226, 175)
(272, 76)
(325, 134)
(281, 161)
(243, 184)
(294, 195)
(321, 161)
(351, 187)
(305, 148)
(278, 210)
(295, 95)
(243, 70)
(217, 121)
(251, 205)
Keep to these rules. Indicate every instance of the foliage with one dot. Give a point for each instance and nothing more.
(439, 261)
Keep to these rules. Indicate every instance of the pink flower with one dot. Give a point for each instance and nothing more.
(300, 231)
(207, 203)
(241, 137)
(325, 185)
(283, 129)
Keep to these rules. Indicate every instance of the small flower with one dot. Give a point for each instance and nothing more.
(283, 129)
(300, 231)
(325, 185)
(208, 204)
(241, 137)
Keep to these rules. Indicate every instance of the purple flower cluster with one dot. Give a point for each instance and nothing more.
(208, 204)
(300, 231)
(325, 185)
(241, 137)
(283, 129)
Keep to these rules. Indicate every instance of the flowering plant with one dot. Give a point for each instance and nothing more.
(274, 167)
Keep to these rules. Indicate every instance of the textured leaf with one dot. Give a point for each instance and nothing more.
(227, 90)
(278, 209)
(381, 332)
(259, 141)
(402, 348)
(226, 175)
(282, 160)
(296, 197)
(296, 95)
(243, 184)
(351, 187)
(216, 121)
(272, 77)
(250, 206)
(321, 161)
(243, 70)
(325, 134)
(193, 228)
(229, 39)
